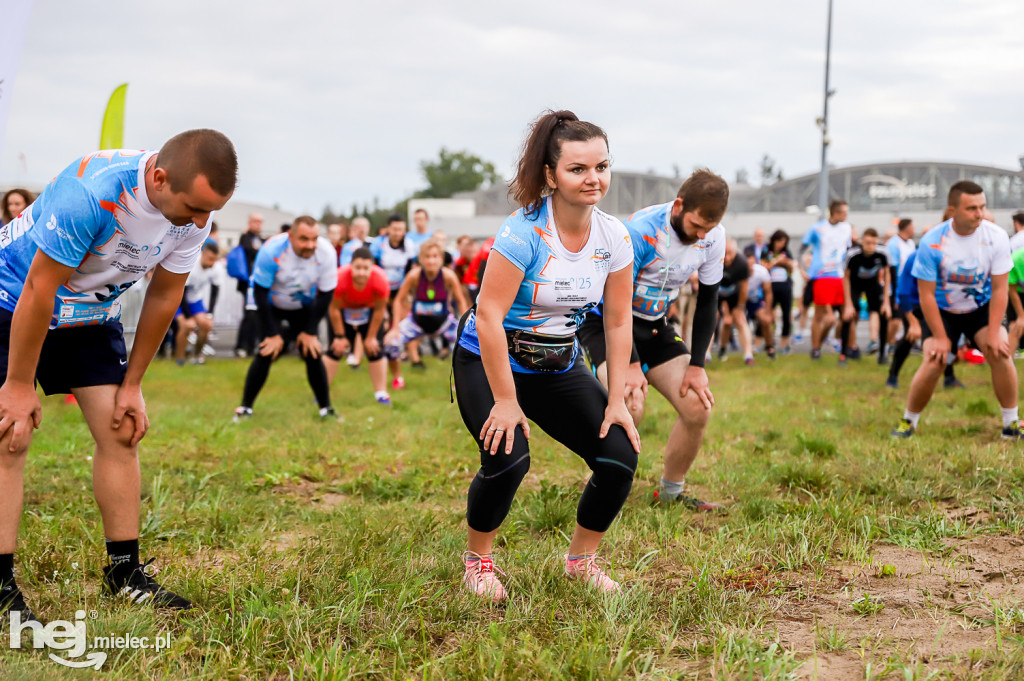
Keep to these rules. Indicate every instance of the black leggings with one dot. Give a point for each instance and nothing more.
(782, 297)
(292, 322)
(570, 408)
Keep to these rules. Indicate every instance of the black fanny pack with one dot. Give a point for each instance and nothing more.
(540, 352)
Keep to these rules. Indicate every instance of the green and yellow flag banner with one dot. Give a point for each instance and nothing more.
(112, 134)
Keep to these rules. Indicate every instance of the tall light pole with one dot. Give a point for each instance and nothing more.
(823, 121)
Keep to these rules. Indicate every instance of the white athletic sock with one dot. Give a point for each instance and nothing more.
(672, 489)
(379, 394)
(912, 417)
(1009, 416)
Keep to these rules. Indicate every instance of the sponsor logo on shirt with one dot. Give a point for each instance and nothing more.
(507, 234)
(602, 259)
(129, 248)
(51, 224)
(176, 232)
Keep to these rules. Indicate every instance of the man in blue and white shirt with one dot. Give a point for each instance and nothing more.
(962, 270)
(96, 229)
(293, 282)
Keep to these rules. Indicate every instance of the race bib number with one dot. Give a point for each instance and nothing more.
(79, 314)
(651, 303)
(423, 308)
(356, 317)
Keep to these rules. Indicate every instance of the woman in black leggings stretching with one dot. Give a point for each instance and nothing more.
(517, 355)
(779, 262)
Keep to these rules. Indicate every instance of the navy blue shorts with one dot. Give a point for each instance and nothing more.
(78, 357)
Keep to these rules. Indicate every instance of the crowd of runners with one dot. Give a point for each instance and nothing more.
(565, 318)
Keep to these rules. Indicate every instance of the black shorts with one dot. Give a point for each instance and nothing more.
(966, 323)
(732, 301)
(656, 342)
(808, 294)
(290, 323)
(78, 357)
(873, 294)
(352, 332)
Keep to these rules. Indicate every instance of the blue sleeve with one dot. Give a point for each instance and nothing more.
(265, 268)
(926, 265)
(641, 249)
(516, 240)
(811, 237)
(375, 249)
(68, 221)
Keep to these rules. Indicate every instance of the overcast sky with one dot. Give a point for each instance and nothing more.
(335, 102)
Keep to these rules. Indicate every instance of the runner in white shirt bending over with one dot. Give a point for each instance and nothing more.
(96, 229)
(962, 271)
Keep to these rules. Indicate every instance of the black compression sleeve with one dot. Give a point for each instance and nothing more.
(319, 309)
(184, 306)
(266, 315)
(705, 318)
(214, 292)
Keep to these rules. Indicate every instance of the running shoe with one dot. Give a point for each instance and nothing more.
(240, 353)
(905, 429)
(384, 400)
(749, 361)
(872, 347)
(398, 383)
(327, 412)
(479, 578)
(199, 360)
(815, 354)
(587, 570)
(883, 360)
(11, 601)
(952, 382)
(721, 354)
(242, 414)
(180, 362)
(842, 360)
(418, 365)
(854, 353)
(141, 589)
(1014, 431)
(770, 351)
(445, 353)
(692, 503)
(892, 382)
(786, 350)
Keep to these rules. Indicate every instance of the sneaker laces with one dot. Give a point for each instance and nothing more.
(590, 572)
(480, 577)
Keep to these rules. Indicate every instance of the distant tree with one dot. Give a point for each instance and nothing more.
(742, 176)
(769, 172)
(456, 171)
(676, 171)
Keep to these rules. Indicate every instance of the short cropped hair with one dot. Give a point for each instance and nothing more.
(834, 207)
(204, 152)
(705, 193)
(963, 187)
(362, 253)
(870, 231)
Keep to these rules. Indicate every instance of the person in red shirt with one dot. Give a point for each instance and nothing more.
(357, 310)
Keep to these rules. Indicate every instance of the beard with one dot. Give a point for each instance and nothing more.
(677, 226)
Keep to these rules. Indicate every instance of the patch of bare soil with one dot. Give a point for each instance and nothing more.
(313, 493)
(932, 610)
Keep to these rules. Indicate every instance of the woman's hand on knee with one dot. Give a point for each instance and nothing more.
(501, 423)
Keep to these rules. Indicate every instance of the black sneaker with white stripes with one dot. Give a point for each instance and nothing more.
(11, 601)
(141, 589)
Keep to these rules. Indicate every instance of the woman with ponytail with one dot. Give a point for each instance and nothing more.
(517, 356)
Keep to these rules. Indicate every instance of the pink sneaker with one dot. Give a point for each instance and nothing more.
(398, 383)
(590, 572)
(480, 578)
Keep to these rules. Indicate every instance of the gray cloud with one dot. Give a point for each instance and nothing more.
(338, 102)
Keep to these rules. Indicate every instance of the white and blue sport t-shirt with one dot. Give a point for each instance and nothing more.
(558, 287)
(759, 276)
(95, 216)
(829, 244)
(394, 261)
(962, 266)
(661, 263)
(294, 281)
(197, 287)
(898, 250)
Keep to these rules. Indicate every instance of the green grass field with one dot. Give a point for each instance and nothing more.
(324, 550)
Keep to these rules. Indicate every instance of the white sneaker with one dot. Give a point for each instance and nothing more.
(590, 572)
(480, 579)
